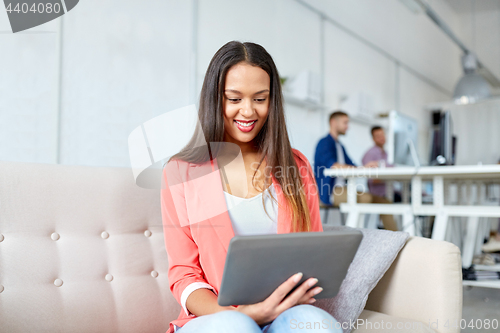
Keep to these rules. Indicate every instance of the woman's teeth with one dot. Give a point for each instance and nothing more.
(246, 124)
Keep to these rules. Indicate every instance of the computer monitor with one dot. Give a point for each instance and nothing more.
(402, 140)
(443, 142)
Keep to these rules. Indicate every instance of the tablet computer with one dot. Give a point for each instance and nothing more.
(257, 264)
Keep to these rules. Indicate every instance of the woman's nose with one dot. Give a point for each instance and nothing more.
(247, 109)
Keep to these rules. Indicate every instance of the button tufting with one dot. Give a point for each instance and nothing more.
(104, 234)
(55, 236)
(58, 282)
(147, 233)
(154, 274)
(1, 237)
(109, 277)
(1, 288)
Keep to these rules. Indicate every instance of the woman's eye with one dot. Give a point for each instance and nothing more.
(235, 100)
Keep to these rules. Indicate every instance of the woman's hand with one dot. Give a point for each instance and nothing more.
(267, 310)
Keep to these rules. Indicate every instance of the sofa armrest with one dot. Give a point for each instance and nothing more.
(424, 283)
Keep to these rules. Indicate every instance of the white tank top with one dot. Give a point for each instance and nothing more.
(248, 216)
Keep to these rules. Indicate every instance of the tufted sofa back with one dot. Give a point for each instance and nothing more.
(81, 250)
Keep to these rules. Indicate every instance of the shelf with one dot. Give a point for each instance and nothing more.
(492, 268)
(364, 120)
(482, 283)
(311, 105)
(451, 104)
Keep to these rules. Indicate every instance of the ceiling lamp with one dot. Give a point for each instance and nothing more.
(472, 87)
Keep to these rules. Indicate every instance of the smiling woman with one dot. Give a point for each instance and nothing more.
(241, 118)
(246, 102)
(242, 84)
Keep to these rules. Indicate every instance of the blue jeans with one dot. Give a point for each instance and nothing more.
(299, 318)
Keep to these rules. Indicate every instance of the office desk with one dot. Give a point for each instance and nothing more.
(441, 209)
(468, 175)
(355, 209)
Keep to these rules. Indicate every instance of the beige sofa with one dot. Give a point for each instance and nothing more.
(82, 250)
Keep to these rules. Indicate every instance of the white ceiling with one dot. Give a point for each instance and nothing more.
(467, 6)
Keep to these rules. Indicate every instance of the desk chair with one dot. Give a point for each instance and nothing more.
(326, 208)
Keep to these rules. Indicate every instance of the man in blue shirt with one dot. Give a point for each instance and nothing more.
(330, 153)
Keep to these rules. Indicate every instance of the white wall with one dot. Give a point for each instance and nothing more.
(27, 93)
(476, 126)
(477, 131)
(122, 65)
(291, 33)
(411, 40)
(480, 29)
(129, 62)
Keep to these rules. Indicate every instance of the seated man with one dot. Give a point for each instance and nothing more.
(378, 154)
(331, 154)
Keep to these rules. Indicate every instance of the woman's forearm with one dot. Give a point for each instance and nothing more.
(203, 301)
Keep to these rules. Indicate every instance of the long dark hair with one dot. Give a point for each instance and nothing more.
(272, 141)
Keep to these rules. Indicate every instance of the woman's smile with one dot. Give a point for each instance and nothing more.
(245, 125)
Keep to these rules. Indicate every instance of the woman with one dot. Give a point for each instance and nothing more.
(240, 152)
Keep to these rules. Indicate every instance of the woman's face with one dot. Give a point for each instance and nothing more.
(245, 103)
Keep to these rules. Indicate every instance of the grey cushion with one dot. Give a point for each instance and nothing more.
(375, 254)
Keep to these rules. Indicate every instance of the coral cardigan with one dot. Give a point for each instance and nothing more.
(197, 227)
